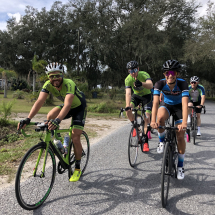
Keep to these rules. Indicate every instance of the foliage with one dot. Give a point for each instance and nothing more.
(18, 94)
(6, 112)
(17, 84)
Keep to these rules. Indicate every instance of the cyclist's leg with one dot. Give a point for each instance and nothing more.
(180, 140)
(78, 122)
(162, 115)
(190, 103)
(134, 103)
(198, 114)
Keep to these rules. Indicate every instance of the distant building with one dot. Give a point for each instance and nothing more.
(2, 83)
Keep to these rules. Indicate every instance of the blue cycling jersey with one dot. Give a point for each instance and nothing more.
(172, 97)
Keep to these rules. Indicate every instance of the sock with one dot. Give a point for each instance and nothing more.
(180, 160)
(198, 128)
(77, 164)
(161, 136)
(189, 118)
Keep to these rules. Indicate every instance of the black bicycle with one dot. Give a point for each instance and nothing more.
(137, 136)
(169, 163)
(191, 130)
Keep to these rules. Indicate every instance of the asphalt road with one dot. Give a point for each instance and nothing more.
(111, 186)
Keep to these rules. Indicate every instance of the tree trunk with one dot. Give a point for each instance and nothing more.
(34, 80)
(5, 87)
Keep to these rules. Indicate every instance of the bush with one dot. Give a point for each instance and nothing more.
(18, 94)
(6, 112)
(104, 107)
(17, 84)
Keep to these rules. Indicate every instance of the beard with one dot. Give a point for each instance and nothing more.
(57, 83)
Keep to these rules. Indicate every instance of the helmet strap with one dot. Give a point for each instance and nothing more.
(172, 83)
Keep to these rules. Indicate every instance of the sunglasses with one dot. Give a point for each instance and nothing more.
(56, 76)
(193, 82)
(168, 73)
(131, 71)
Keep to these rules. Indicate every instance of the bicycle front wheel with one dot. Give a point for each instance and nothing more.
(85, 154)
(133, 145)
(32, 185)
(166, 173)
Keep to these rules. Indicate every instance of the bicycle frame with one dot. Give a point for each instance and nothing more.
(65, 162)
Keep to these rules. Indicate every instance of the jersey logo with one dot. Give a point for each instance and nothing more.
(175, 93)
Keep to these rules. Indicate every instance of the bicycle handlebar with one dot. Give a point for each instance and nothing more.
(168, 128)
(42, 127)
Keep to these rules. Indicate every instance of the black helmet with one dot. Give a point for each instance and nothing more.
(132, 65)
(172, 65)
(194, 79)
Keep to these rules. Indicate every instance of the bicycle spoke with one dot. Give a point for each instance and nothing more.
(133, 145)
(31, 191)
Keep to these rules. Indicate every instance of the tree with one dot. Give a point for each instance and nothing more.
(37, 67)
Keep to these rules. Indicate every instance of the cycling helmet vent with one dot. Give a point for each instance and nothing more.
(172, 65)
(55, 66)
(132, 65)
(194, 79)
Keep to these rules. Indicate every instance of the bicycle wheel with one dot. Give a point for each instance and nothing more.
(166, 173)
(140, 122)
(85, 154)
(133, 144)
(33, 187)
(194, 131)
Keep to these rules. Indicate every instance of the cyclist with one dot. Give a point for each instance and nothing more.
(74, 105)
(140, 82)
(175, 93)
(196, 98)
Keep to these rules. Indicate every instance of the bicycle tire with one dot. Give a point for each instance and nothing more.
(141, 130)
(194, 131)
(133, 145)
(85, 154)
(166, 173)
(30, 188)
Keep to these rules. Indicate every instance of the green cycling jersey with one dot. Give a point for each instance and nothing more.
(143, 77)
(68, 87)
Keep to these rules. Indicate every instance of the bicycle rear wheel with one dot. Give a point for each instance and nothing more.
(33, 187)
(85, 154)
(133, 144)
(166, 173)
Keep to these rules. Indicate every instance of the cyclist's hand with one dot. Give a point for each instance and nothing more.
(182, 127)
(22, 124)
(54, 124)
(138, 83)
(127, 108)
(154, 125)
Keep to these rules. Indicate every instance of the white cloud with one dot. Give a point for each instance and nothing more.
(3, 26)
(16, 15)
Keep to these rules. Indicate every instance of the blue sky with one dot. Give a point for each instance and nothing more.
(16, 8)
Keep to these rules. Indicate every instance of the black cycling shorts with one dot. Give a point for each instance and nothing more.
(78, 114)
(198, 110)
(136, 100)
(174, 109)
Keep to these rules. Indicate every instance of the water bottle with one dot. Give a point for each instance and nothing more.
(59, 145)
(66, 143)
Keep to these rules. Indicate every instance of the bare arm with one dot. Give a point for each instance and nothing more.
(148, 84)
(128, 96)
(38, 104)
(202, 99)
(67, 106)
(155, 108)
(184, 111)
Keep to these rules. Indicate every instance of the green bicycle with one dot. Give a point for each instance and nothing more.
(36, 173)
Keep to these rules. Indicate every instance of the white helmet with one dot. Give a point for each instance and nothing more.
(194, 79)
(52, 67)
